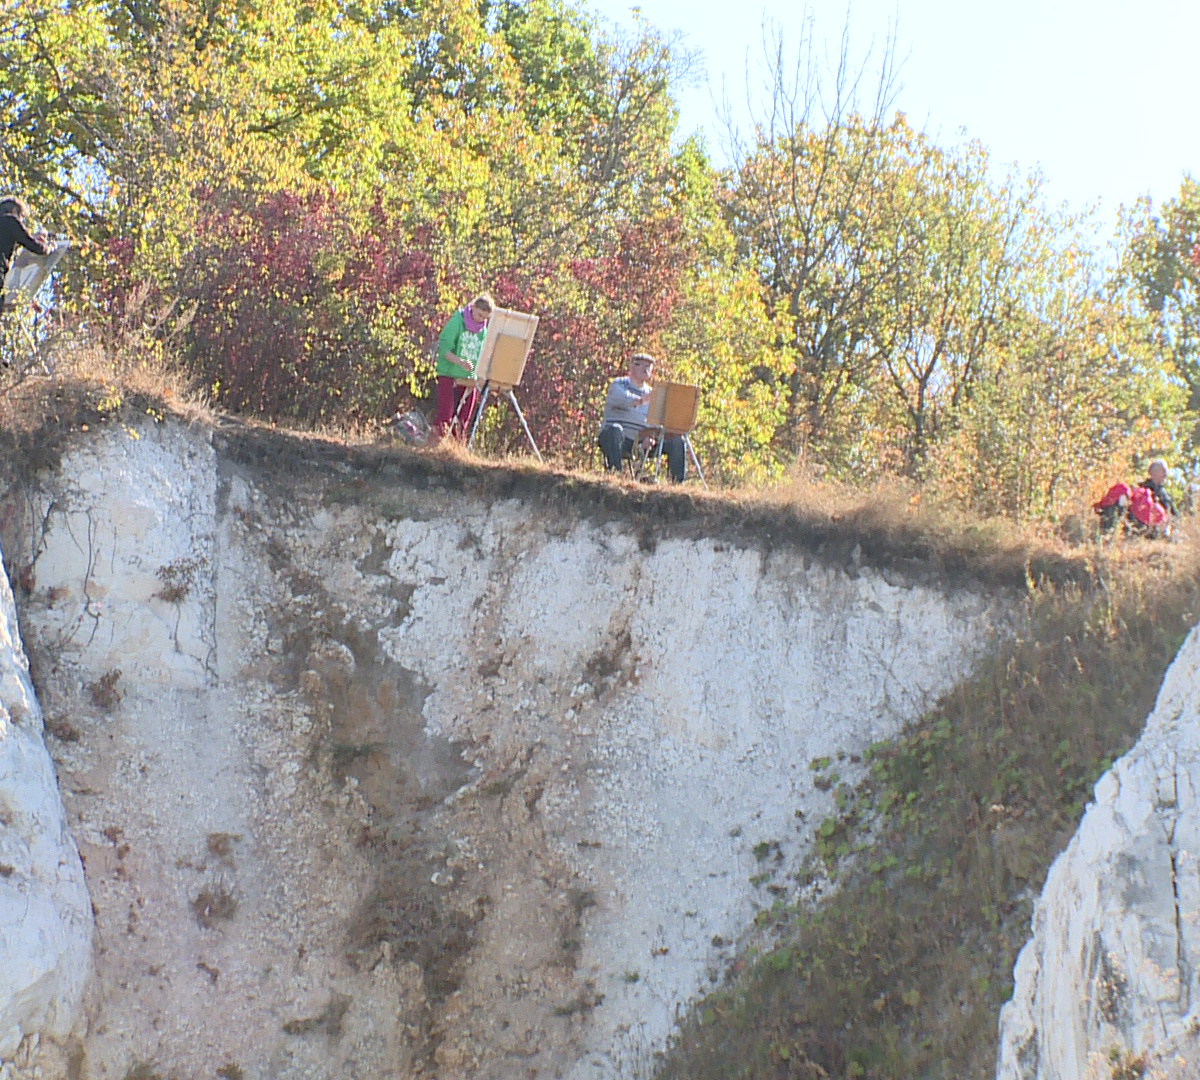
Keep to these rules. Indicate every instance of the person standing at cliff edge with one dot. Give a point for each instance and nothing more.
(14, 234)
(459, 346)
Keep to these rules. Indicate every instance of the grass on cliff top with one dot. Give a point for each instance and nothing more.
(891, 528)
(938, 854)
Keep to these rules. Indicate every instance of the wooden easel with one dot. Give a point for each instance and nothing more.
(502, 363)
(673, 410)
(459, 423)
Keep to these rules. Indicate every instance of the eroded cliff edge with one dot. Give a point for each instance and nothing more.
(1109, 984)
(379, 772)
(45, 917)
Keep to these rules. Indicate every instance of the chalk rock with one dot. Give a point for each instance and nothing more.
(593, 739)
(45, 914)
(1110, 975)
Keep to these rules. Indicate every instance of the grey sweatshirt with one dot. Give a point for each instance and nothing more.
(622, 407)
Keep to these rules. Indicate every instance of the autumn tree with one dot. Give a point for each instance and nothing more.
(804, 202)
(1161, 267)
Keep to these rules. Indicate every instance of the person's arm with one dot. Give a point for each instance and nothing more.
(623, 396)
(39, 245)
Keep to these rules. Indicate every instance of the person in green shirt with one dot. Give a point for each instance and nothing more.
(459, 346)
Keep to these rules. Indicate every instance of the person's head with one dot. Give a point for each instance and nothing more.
(482, 307)
(10, 204)
(1158, 470)
(641, 367)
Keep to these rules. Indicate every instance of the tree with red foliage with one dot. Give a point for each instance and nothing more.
(301, 315)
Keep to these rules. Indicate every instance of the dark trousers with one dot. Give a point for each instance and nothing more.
(617, 441)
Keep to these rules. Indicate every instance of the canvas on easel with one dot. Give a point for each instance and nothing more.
(673, 407)
(506, 347)
(27, 273)
(502, 363)
(673, 410)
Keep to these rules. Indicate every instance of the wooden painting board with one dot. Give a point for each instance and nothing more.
(28, 272)
(674, 407)
(506, 347)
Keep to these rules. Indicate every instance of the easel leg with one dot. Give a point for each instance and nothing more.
(487, 387)
(21, 345)
(30, 326)
(639, 456)
(459, 425)
(695, 461)
(658, 452)
(513, 398)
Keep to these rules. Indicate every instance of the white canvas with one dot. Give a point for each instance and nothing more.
(28, 272)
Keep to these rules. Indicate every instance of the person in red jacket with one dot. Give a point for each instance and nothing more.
(15, 233)
(1143, 510)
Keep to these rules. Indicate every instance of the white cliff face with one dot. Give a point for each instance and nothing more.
(45, 916)
(1112, 973)
(375, 778)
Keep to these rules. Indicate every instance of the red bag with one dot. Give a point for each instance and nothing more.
(1145, 509)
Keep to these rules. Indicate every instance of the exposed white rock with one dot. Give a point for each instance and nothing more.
(1111, 975)
(45, 916)
(305, 656)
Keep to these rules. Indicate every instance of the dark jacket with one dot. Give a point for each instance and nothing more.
(12, 235)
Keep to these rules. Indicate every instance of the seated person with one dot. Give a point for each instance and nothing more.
(1144, 510)
(624, 423)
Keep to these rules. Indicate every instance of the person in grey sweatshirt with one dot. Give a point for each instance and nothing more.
(624, 423)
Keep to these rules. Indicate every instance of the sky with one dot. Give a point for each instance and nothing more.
(1103, 96)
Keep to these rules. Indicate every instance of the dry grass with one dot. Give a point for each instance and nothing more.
(902, 973)
(890, 528)
(88, 390)
(885, 529)
(104, 692)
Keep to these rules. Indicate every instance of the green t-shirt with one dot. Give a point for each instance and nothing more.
(456, 338)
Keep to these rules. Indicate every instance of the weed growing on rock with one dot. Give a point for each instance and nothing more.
(179, 578)
(213, 905)
(583, 1002)
(230, 1071)
(63, 730)
(941, 849)
(104, 692)
(1127, 1066)
(580, 899)
(220, 844)
(141, 1071)
(328, 1021)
